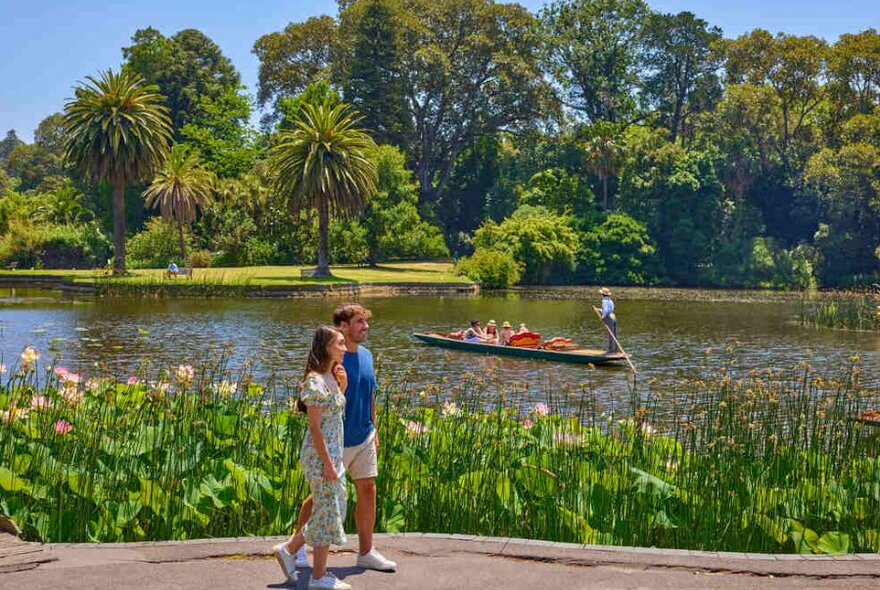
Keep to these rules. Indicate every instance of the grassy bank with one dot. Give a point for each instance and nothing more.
(852, 310)
(267, 276)
(751, 462)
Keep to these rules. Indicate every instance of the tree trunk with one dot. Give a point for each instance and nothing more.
(323, 269)
(181, 243)
(119, 227)
(605, 193)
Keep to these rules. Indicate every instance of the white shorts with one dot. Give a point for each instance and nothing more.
(361, 461)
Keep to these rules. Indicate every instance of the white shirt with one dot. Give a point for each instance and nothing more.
(607, 307)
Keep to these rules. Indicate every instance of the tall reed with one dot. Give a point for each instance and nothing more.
(736, 460)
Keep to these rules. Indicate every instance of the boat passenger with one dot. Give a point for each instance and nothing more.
(506, 333)
(522, 328)
(491, 332)
(474, 333)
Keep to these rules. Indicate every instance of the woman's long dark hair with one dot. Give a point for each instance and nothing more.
(318, 360)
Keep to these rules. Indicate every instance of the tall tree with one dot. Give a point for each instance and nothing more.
(178, 189)
(8, 143)
(118, 133)
(593, 48)
(220, 131)
(854, 68)
(293, 58)
(372, 78)
(793, 67)
(472, 69)
(603, 151)
(325, 163)
(682, 58)
(186, 67)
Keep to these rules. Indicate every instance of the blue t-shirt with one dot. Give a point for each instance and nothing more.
(358, 422)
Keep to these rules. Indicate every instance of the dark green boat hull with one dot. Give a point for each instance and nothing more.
(580, 356)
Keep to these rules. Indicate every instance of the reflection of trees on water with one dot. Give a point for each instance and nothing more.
(665, 338)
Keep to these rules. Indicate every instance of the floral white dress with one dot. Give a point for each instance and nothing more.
(325, 527)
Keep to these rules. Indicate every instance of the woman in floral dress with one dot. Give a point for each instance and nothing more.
(323, 401)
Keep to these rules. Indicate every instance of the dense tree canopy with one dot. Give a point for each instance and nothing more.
(593, 140)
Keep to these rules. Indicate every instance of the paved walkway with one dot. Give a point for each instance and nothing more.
(438, 562)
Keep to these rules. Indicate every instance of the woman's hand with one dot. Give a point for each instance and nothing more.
(330, 473)
(341, 377)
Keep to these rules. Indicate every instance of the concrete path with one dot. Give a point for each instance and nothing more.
(432, 562)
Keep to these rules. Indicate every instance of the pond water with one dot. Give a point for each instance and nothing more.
(666, 332)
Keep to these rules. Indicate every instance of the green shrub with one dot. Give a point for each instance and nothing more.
(156, 245)
(259, 252)
(54, 245)
(492, 269)
(617, 251)
(542, 242)
(199, 259)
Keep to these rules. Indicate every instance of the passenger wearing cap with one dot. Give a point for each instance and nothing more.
(474, 333)
(491, 332)
(505, 334)
(607, 315)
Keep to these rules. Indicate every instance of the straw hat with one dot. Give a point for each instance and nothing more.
(604, 291)
(491, 323)
(506, 325)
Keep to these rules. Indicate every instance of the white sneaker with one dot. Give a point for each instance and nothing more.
(328, 582)
(376, 561)
(302, 561)
(286, 561)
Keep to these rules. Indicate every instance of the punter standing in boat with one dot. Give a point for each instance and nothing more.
(607, 315)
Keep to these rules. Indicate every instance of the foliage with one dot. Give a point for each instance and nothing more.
(492, 269)
(739, 463)
(219, 131)
(294, 58)
(593, 54)
(50, 245)
(393, 227)
(617, 251)
(157, 245)
(187, 68)
(543, 242)
(117, 133)
(179, 188)
(324, 163)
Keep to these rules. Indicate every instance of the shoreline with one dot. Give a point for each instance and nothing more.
(184, 288)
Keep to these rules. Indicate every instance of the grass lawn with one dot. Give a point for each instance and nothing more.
(398, 272)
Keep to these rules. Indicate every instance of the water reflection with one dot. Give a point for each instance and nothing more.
(667, 337)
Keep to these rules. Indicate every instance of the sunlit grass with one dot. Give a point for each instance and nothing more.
(402, 272)
(737, 460)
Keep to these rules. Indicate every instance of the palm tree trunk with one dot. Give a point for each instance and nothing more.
(119, 227)
(182, 243)
(323, 269)
(605, 193)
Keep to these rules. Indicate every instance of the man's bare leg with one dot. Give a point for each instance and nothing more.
(365, 512)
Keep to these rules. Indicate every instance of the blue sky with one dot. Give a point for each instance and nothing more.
(46, 46)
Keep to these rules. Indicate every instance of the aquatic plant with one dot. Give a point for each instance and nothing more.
(735, 460)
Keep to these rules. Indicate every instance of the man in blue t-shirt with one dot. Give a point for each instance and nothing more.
(361, 440)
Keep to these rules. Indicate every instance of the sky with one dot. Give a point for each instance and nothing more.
(47, 46)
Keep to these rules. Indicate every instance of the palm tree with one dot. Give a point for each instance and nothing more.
(603, 152)
(118, 133)
(323, 162)
(179, 187)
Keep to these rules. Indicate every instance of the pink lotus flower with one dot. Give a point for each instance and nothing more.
(2, 368)
(62, 427)
(60, 371)
(133, 380)
(93, 384)
(541, 409)
(185, 373)
(527, 423)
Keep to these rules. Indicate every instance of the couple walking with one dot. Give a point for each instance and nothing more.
(338, 397)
